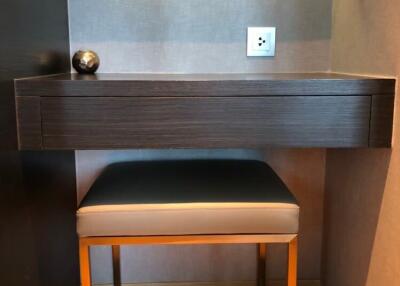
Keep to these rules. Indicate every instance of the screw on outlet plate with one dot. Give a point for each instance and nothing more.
(261, 41)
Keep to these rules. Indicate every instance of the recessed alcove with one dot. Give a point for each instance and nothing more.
(348, 189)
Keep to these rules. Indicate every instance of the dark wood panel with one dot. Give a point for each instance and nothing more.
(29, 123)
(50, 184)
(34, 41)
(38, 226)
(18, 263)
(97, 123)
(8, 129)
(204, 85)
(382, 108)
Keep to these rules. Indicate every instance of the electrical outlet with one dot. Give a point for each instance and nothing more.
(261, 41)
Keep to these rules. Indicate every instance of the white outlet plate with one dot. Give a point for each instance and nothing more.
(261, 41)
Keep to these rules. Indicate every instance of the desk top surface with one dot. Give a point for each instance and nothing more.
(204, 77)
(203, 85)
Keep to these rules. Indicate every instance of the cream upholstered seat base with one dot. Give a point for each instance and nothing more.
(190, 218)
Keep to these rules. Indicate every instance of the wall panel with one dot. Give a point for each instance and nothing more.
(362, 194)
(37, 192)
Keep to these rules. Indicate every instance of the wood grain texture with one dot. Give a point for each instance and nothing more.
(160, 85)
(32, 43)
(37, 243)
(29, 123)
(8, 125)
(104, 123)
(16, 234)
(382, 109)
(50, 189)
(107, 111)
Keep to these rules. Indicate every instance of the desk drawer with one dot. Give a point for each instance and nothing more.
(183, 122)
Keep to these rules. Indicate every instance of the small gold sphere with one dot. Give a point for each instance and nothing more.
(86, 62)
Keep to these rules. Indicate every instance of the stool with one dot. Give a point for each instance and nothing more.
(188, 202)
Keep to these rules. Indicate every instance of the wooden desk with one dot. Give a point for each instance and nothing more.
(113, 111)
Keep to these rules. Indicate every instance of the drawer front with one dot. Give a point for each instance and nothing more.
(138, 122)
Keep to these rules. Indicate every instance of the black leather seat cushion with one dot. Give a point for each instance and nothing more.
(188, 181)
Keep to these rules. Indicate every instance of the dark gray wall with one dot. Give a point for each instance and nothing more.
(200, 36)
(37, 190)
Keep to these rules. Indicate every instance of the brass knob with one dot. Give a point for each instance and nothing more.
(86, 62)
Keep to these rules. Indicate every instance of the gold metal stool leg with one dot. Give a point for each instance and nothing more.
(292, 263)
(261, 263)
(116, 251)
(84, 259)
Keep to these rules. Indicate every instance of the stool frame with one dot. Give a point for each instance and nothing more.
(260, 239)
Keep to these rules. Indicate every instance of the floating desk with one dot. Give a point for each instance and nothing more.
(127, 111)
